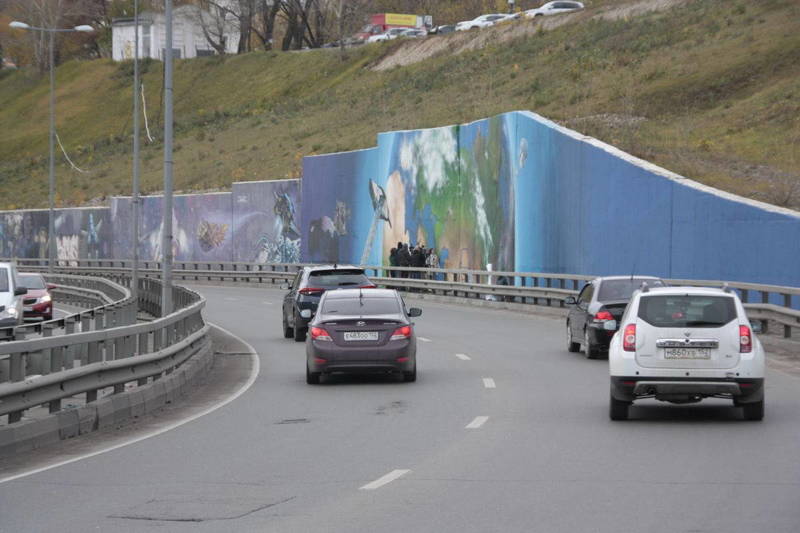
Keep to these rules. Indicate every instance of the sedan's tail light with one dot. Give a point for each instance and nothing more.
(319, 334)
(401, 333)
(311, 290)
(602, 316)
(745, 340)
(629, 338)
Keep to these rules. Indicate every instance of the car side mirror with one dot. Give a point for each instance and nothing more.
(20, 291)
(51, 286)
(570, 300)
(757, 328)
(414, 312)
(306, 313)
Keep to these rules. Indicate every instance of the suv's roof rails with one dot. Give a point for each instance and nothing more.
(644, 287)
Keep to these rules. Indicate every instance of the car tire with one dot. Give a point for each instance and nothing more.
(590, 349)
(288, 332)
(618, 409)
(410, 376)
(299, 333)
(312, 378)
(753, 411)
(572, 346)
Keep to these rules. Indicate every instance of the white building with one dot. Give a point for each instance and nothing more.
(188, 38)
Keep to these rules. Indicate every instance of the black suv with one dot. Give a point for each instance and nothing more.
(307, 287)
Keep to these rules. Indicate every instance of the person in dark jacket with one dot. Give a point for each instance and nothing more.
(393, 262)
(403, 259)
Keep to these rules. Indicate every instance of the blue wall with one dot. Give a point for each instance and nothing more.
(523, 193)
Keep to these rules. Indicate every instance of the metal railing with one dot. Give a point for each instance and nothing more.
(49, 369)
(766, 303)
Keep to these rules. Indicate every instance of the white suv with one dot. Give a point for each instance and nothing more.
(683, 344)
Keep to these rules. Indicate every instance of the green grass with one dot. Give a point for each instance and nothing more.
(715, 84)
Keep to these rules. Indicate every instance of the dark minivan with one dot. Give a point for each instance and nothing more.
(308, 286)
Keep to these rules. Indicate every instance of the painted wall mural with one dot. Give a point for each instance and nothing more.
(266, 221)
(520, 193)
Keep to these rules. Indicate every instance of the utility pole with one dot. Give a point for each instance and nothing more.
(166, 237)
(136, 89)
(51, 226)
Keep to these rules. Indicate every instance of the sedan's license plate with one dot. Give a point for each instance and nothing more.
(687, 353)
(27, 309)
(360, 335)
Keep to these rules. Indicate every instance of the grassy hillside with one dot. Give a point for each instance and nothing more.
(709, 89)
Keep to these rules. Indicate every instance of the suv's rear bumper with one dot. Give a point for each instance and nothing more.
(743, 390)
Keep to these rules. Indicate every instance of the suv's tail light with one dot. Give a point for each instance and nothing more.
(368, 286)
(629, 338)
(401, 333)
(311, 290)
(745, 340)
(602, 316)
(319, 334)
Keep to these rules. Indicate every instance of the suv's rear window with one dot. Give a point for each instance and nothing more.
(687, 311)
(337, 278)
(622, 289)
(361, 307)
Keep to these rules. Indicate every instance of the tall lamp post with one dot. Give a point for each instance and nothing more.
(136, 211)
(51, 232)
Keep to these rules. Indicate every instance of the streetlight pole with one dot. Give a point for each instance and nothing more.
(166, 237)
(51, 231)
(136, 89)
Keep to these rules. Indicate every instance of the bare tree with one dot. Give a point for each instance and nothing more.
(217, 20)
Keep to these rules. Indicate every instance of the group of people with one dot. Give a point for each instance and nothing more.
(404, 255)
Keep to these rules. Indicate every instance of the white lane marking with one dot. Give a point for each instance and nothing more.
(489, 383)
(388, 478)
(478, 422)
(424, 339)
(226, 401)
(463, 357)
(268, 303)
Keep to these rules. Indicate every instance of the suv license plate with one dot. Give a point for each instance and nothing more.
(687, 353)
(360, 335)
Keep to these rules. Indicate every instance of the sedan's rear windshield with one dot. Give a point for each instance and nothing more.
(361, 306)
(31, 281)
(621, 289)
(683, 311)
(337, 278)
(3, 280)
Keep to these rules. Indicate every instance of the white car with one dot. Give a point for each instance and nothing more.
(554, 8)
(414, 33)
(683, 344)
(392, 33)
(11, 295)
(484, 21)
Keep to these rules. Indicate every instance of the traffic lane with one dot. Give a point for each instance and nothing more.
(252, 451)
(548, 458)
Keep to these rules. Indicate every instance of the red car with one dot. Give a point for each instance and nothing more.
(37, 302)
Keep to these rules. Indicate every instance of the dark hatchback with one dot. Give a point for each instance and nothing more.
(307, 288)
(362, 331)
(594, 317)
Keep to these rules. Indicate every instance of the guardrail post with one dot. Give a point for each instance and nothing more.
(549, 283)
(56, 359)
(17, 367)
(787, 303)
(764, 323)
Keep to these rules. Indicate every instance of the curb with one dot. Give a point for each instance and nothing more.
(111, 411)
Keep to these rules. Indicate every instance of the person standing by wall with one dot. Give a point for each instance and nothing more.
(403, 258)
(393, 262)
(432, 261)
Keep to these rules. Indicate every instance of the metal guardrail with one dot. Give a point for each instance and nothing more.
(522, 287)
(48, 369)
(110, 304)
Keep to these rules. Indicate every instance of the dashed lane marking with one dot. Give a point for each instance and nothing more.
(388, 478)
(424, 339)
(463, 357)
(478, 422)
(489, 383)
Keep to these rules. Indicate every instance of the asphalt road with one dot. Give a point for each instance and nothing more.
(376, 454)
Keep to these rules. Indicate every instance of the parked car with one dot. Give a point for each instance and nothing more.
(414, 33)
(594, 316)
(484, 21)
(37, 302)
(11, 292)
(392, 33)
(447, 28)
(683, 344)
(554, 8)
(357, 330)
(308, 286)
